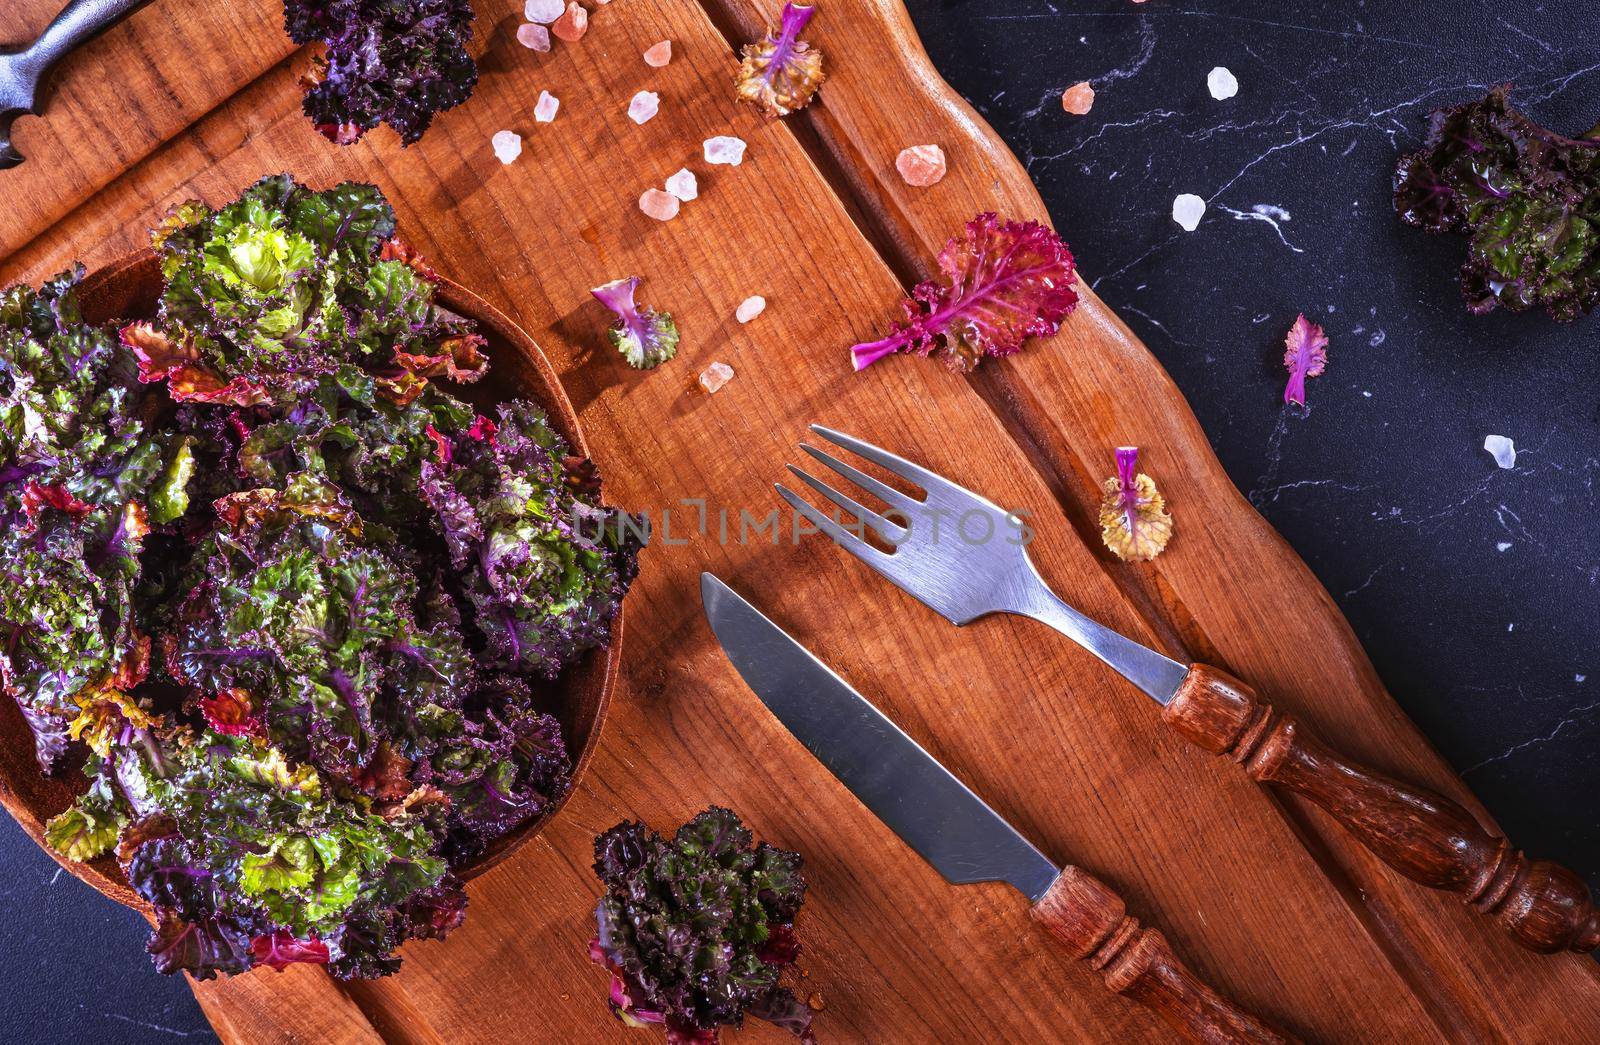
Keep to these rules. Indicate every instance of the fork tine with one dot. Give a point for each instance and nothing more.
(878, 560)
(887, 494)
(929, 481)
(889, 530)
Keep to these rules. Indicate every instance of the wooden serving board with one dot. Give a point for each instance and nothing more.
(1264, 896)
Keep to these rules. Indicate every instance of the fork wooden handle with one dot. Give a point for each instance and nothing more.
(1423, 835)
(1091, 920)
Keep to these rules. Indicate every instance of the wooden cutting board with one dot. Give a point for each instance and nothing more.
(1264, 896)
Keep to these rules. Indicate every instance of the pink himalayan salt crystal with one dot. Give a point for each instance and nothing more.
(573, 24)
(662, 206)
(725, 148)
(750, 308)
(1078, 99)
(684, 185)
(507, 145)
(921, 165)
(533, 37)
(713, 377)
(658, 55)
(545, 110)
(543, 11)
(644, 106)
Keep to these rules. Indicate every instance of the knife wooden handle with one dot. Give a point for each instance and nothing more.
(1090, 918)
(1423, 835)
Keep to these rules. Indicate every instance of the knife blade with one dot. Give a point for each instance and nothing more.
(1420, 833)
(956, 831)
(904, 786)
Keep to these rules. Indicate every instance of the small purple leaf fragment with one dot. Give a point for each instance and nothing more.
(1306, 355)
(646, 338)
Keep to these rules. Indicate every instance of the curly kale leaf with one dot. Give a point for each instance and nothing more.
(296, 602)
(646, 338)
(68, 402)
(304, 632)
(544, 566)
(1527, 199)
(1000, 284)
(310, 629)
(696, 930)
(74, 461)
(507, 765)
(250, 859)
(286, 285)
(388, 61)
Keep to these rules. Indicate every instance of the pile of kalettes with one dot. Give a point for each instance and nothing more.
(295, 604)
(697, 929)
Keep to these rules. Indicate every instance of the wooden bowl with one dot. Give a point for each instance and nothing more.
(129, 289)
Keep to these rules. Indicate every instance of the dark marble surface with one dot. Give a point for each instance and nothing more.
(1475, 590)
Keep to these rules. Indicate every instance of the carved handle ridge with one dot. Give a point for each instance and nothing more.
(1423, 835)
(1092, 921)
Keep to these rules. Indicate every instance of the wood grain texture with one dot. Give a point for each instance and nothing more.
(1091, 920)
(109, 105)
(1267, 900)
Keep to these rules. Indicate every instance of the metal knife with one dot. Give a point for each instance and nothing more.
(22, 69)
(1423, 835)
(955, 831)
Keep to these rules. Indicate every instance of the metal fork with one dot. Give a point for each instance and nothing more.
(963, 556)
(964, 575)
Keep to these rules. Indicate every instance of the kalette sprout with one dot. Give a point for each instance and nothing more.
(1134, 521)
(646, 338)
(781, 73)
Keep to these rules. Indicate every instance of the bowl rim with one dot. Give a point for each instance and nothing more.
(103, 873)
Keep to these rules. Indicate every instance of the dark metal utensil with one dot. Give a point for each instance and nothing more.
(956, 831)
(22, 71)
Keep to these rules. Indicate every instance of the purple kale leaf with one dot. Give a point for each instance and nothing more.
(543, 564)
(76, 463)
(696, 930)
(1526, 198)
(387, 61)
(645, 337)
(202, 948)
(781, 72)
(999, 284)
